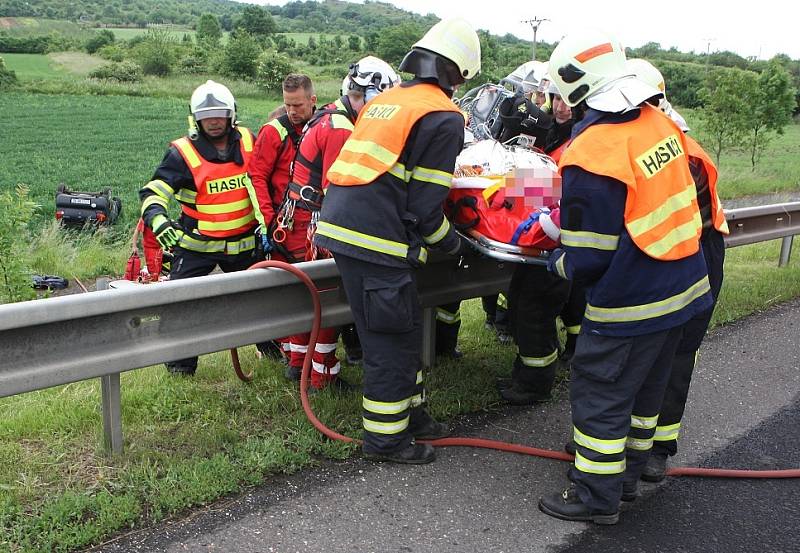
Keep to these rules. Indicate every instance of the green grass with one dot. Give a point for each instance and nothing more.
(32, 26)
(35, 67)
(191, 441)
(777, 171)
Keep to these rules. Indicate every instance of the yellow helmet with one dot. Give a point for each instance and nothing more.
(452, 39)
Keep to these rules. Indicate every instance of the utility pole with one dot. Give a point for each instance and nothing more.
(534, 23)
(708, 42)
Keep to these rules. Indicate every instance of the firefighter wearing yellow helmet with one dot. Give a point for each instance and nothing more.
(382, 211)
(630, 233)
(206, 173)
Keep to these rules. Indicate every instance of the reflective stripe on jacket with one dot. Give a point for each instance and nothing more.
(222, 203)
(374, 148)
(661, 210)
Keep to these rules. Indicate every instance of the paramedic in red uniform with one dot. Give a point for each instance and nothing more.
(322, 139)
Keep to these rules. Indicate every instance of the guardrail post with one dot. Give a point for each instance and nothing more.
(112, 403)
(786, 250)
(428, 337)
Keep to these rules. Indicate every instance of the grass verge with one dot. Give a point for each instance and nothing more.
(192, 441)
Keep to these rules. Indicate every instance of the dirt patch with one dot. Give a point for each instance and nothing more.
(8, 22)
(77, 63)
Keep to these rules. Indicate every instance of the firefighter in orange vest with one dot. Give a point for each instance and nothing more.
(206, 172)
(323, 138)
(704, 173)
(630, 234)
(382, 211)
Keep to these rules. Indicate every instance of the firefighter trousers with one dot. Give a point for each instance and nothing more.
(669, 420)
(388, 318)
(616, 389)
(188, 264)
(536, 298)
(448, 323)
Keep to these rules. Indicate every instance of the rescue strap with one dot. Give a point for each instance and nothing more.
(525, 226)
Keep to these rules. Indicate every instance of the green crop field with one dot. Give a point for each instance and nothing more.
(35, 66)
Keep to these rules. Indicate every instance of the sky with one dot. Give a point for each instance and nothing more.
(758, 29)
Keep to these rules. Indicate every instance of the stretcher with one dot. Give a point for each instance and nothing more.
(504, 200)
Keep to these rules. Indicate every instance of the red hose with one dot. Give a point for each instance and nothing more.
(473, 442)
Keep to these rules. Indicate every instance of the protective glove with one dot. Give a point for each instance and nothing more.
(167, 236)
(463, 248)
(553, 264)
(266, 243)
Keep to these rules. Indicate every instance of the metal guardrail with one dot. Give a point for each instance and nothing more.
(749, 225)
(57, 341)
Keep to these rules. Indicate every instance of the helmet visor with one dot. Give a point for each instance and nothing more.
(212, 113)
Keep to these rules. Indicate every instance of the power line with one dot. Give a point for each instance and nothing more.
(534, 23)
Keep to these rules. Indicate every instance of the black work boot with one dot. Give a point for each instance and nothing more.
(629, 491)
(292, 374)
(181, 368)
(423, 427)
(568, 506)
(413, 454)
(656, 468)
(517, 394)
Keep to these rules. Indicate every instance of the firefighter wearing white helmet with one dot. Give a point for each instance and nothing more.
(382, 211)
(704, 173)
(630, 233)
(322, 139)
(649, 73)
(206, 173)
(211, 100)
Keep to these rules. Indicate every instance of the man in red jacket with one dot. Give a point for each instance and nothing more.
(274, 151)
(323, 138)
(269, 168)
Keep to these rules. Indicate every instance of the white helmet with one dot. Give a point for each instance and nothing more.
(529, 74)
(452, 39)
(583, 62)
(647, 72)
(212, 99)
(370, 74)
(591, 66)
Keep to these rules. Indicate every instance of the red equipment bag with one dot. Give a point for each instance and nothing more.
(133, 267)
(506, 193)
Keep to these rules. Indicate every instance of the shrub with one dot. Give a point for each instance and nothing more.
(240, 57)
(15, 276)
(125, 72)
(156, 54)
(112, 52)
(98, 40)
(7, 76)
(193, 64)
(272, 69)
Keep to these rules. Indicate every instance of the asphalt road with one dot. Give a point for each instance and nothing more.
(744, 412)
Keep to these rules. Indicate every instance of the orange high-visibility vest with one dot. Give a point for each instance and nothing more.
(717, 214)
(381, 131)
(648, 154)
(222, 207)
(558, 152)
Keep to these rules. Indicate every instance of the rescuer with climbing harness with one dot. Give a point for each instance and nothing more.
(296, 221)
